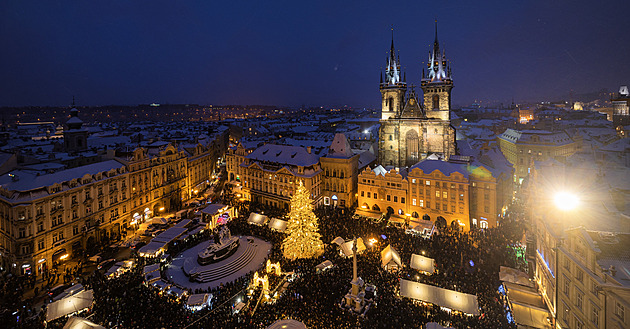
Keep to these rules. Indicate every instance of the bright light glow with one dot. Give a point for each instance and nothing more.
(161, 208)
(372, 241)
(566, 201)
(63, 257)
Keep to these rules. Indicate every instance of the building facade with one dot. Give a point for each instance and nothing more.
(522, 148)
(410, 131)
(268, 174)
(580, 253)
(462, 193)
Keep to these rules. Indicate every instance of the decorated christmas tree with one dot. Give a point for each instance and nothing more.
(303, 241)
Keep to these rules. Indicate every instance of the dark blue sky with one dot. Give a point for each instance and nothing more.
(302, 52)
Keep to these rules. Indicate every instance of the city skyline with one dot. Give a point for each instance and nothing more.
(303, 54)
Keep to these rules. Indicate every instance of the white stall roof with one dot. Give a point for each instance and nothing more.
(508, 274)
(69, 305)
(389, 255)
(198, 299)
(182, 223)
(75, 322)
(287, 324)
(324, 265)
(278, 224)
(338, 241)
(421, 263)
(151, 249)
(451, 299)
(170, 234)
(346, 248)
(257, 219)
(150, 268)
(213, 208)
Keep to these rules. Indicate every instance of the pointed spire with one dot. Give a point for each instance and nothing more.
(436, 38)
(392, 48)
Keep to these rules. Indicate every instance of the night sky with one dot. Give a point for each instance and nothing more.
(303, 52)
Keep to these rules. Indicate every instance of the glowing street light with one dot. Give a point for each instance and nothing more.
(566, 201)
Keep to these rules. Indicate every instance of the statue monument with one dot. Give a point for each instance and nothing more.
(223, 247)
(360, 296)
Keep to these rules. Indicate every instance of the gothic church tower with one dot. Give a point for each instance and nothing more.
(437, 84)
(393, 89)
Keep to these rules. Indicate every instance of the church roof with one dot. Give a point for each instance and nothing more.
(412, 107)
(340, 147)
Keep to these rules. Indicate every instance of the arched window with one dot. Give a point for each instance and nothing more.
(376, 208)
(390, 103)
(436, 102)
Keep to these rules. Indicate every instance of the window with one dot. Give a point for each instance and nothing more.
(389, 198)
(428, 182)
(444, 207)
(579, 298)
(594, 315)
(40, 245)
(452, 208)
(445, 194)
(40, 227)
(413, 202)
(75, 230)
(402, 200)
(375, 197)
(437, 194)
(594, 288)
(461, 197)
(486, 209)
(567, 286)
(620, 311)
(413, 180)
(421, 203)
(395, 198)
(369, 195)
(579, 275)
(362, 193)
(437, 205)
(22, 232)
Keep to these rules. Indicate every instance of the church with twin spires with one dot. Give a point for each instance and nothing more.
(413, 128)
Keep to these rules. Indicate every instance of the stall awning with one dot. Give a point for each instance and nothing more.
(278, 224)
(257, 219)
(450, 299)
(153, 249)
(389, 255)
(214, 209)
(75, 322)
(69, 305)
(169, 235)
(508, 274)
(421, 263)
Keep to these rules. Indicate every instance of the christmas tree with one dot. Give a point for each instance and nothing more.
(303, 240)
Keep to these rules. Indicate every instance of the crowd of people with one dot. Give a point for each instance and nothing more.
(467, 262)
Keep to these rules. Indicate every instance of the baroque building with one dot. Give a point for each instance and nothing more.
(462, 191)
(268, 174)
(411, 131)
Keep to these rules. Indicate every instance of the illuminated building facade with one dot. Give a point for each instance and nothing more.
(463, 192)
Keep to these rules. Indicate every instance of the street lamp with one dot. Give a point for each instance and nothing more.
(566, 201)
